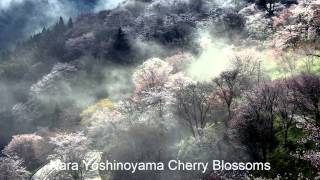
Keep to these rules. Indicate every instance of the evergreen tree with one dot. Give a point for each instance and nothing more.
(121, 42)
(70, 23)
(60, 26)
(267, 5)
(44, 30)
(262, 4)
(61, 22)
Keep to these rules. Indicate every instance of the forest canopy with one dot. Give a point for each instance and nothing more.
(154, 81)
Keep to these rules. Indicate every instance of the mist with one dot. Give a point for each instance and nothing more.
(150, 81)
(21, 18)
(106, 4)
(214, 58)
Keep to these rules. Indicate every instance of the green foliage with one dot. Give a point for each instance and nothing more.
(309, 64)
(100, 105)
(294, 135)
(282, 161)
(277, 68)
(287, 166)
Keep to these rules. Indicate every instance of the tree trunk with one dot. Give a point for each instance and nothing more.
(229, 115)
(285, 138)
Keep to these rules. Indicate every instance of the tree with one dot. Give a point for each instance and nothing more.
(131, 136)
(152, 73)
(195, 105)
(157, 98)
(255, 119)
(60, 26)
(285, 108)
(306, 97)
(261, 4)
(11, 168)
(312, 155)
(155, 84)
(306, 93)
(121, 43)
(121, 49)
(29, 147)
(71, 147)
(266, 4)
(309, 51)
(44, 30)
(70, 23)
(150, 80)
(231, 83)
(270, 6)
(228, 85)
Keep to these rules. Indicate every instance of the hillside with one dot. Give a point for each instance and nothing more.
(154, 80)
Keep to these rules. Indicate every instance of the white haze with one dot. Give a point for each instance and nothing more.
(107, 4)
(214, 58)
(48, 12)
(5, 4)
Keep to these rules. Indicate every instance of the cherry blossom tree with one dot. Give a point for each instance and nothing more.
(31, 148)
(305, 96)
(312, 155)
(128, 135)
(156, 81)
(195, 105)
(11, 168)
(154, 72)
(228, 89)
(71, 148)
(180, 61)
(306, 93)
(231, 83)
(105, 127)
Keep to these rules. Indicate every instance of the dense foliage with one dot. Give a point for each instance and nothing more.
(120, 85)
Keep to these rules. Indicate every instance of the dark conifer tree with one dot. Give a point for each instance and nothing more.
(121, 49)
(60, 26)
(44, 30)
(61, 21)
(121, 43)
(70, 23)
